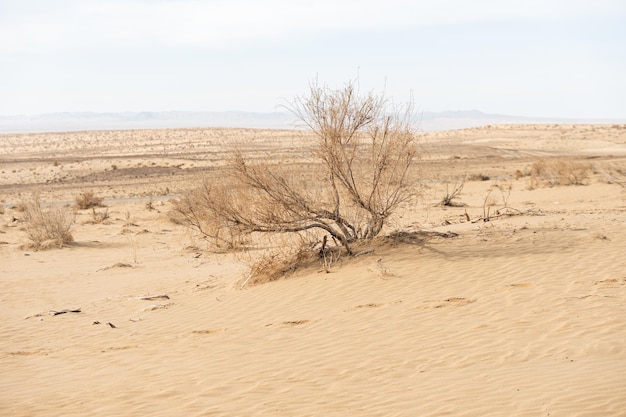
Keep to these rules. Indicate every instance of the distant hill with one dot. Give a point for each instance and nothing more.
(77, 121)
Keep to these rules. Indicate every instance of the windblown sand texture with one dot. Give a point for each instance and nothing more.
(521, 315)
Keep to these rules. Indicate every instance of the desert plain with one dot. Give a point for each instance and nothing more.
(509, 302)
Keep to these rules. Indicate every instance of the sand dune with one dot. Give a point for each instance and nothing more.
(520, 315)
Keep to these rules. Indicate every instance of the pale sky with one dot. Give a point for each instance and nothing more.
(537, 58)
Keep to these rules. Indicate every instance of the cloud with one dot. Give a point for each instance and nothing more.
(69, 25)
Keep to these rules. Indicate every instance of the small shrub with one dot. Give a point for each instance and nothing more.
(478, 177)
(48, 226)
(99, 216)
(88, 200)
(553, 172)
(452, 194)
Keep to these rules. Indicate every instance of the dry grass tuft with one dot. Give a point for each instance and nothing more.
(99, 217)
(478, 177)
(285, 262)
(47, 227)
(88, 200)
(452, 193)
(559, 171)
(308, 251)
(279, 264)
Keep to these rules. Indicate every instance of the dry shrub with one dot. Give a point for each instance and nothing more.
(291, 254)
(201, 209)
(88, 200)
(363, 148)
(355, 177)
(49, 226)
(453, 193)
(559, 171)
(478, 177)
(274, 265)
(99, 217)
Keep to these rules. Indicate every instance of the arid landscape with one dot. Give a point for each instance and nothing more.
(509, 300)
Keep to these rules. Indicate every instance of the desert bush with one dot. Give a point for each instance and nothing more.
(99, 216)
(364, 149)
(453, 191)
(491, 200)
(478, 177)
(206, 209)
(88, 200)
(559, 171)
(49, 226)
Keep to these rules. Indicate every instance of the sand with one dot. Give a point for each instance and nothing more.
(517, 316)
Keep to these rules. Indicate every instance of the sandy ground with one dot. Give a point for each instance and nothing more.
(519, 316)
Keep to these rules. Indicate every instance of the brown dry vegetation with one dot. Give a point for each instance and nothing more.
(508, 302)
(364, 151)
(88, 200)
(166, 165)
(47, 226)
(559, 171)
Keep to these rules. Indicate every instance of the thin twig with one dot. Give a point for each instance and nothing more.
(246, 281)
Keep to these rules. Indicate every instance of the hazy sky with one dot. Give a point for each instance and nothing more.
(552, 58)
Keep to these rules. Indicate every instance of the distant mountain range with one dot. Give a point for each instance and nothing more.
(77, 121)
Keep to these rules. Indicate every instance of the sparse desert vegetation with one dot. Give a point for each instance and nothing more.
(361, 152)
(559, 171)
(47, 226)
(518, 287)
(88, 200)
